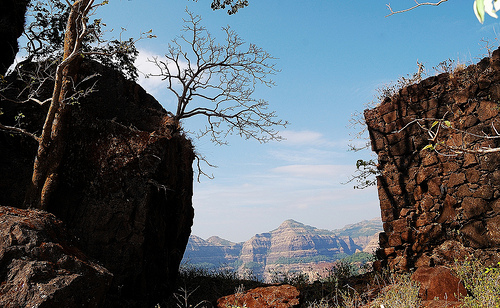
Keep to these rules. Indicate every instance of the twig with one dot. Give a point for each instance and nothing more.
(19, 131)
(417, 4)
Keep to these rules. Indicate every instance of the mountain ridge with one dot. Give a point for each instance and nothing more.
(291, 246)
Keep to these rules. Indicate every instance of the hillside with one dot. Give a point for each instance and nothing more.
(292, 246)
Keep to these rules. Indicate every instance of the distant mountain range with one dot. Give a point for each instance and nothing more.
(292, 246)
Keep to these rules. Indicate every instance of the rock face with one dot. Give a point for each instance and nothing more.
(285, 296)
(436, 208)
(293, 241)
(212, 252)
(11, 27)
(125, 185)
(364, 233)
(39, 267)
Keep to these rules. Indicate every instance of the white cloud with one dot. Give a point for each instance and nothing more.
(314, 171)
(146, 66)
(237, 212)
(305, 155)
(306, 138)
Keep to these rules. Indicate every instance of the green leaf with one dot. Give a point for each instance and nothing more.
(479, 10)
(429, 146)
(434, 124)
(447, 123)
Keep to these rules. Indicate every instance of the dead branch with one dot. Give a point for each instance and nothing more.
(417, 4)
(218, 81)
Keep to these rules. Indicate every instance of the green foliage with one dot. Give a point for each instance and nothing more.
(45, 38)
(312, 259)
(365, 174)
(359, 258)
(234, 5)
(401, 293)
(45, 29)
(482, 284)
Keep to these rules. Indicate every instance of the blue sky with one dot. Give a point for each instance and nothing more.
(333, 55)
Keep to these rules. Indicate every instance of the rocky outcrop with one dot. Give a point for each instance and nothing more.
(436, 207)
(125, 185)
(284, 296)
(11, 27)
(39, 266)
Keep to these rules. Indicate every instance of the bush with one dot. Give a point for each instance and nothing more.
(482, 284)
(401, 293)
(201, 287)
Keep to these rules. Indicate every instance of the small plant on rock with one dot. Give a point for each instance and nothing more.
(482, 284)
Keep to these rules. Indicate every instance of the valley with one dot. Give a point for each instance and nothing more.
(291, 247)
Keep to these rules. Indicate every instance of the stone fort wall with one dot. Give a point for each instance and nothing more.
(438, 207)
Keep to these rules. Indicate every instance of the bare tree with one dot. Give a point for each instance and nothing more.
(46, 38)
(218, 81)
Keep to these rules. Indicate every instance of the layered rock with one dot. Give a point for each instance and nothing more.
(213, 252)
(40, 267)
(435, 207)
(125, 184)
(291, 247)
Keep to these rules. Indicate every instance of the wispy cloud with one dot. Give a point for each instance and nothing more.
(146, 67)
(306, 138)
(314, 171)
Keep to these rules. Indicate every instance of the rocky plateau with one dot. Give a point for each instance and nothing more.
(293, 246)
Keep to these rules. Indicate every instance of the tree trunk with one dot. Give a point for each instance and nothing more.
(51, 146)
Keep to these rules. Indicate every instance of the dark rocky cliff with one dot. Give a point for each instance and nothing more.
(435, 207)
(125, 187)
(11, 27)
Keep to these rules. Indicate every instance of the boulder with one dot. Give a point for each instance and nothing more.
(284, 296)
(438, 283)
(39, 266)
(124, 186)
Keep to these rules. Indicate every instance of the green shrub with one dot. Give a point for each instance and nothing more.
(482, 284)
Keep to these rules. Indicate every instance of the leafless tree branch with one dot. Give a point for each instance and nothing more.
(19, 131)
(417, 4)
(438, 142)
(218, 81)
